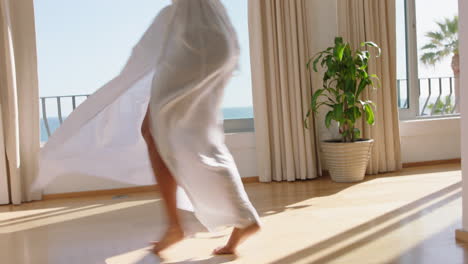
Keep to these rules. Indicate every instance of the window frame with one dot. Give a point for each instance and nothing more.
(412, 111)
(244, 125)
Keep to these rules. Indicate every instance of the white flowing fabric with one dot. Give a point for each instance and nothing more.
(181, 65)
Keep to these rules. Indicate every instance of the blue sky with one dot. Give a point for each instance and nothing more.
(84, 44)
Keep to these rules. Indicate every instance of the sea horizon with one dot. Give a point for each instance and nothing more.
(228, 113)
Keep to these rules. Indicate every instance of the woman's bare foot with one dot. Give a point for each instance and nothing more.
(238, 236)
(172, 236)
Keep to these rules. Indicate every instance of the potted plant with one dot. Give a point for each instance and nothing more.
(345, 77)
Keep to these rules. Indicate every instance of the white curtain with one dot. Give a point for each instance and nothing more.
(281, 90)
(370, 20)
(19, 97)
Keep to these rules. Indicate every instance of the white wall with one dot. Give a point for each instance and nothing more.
(430, 140)
(323, 28)
(463, 35)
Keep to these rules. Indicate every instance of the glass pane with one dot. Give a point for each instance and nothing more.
(437, 42)
(237, 102)
(84, 44)
(402, 69)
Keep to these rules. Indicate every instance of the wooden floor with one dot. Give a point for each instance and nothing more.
(409, 217)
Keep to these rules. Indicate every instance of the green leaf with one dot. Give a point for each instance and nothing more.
(372, 44)
(429, 46)
(353, 114)
(308, 63)
(328, 118)
(306, 119)
(331, 100)
(333, 91)
(357, 133)
(350, 86)
(347, 51)
(437, 36)
(350, 98)
(442, 42)
(316, 61)
(430, 58)
(362, 85)
(315, 97)
(338, 112)
(374, 76)
(338, 41)
(325, 103)
(339, 52)
(369, 114)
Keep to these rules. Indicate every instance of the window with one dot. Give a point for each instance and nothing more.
(84, 44)
(238, 97)
(427, 44)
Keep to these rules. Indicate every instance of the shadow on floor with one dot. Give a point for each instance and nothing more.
(126, 229)
(440, 251)
(276, 197)
(76, 207)
(297, 256)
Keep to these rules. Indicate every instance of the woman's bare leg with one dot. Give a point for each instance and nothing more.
(238, 235)
(168, 188)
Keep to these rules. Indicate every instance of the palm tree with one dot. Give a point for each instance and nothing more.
(444, 43)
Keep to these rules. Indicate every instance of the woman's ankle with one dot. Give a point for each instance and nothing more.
(176, 228)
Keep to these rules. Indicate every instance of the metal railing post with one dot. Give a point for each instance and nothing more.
(44, 116)
(428, 97)
(59, 108)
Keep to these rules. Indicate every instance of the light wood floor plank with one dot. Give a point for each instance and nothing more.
(405, 217)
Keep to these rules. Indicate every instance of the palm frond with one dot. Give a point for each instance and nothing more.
(442, 43)
(452, 26)
(435, 36)
(443, 27)
(429, 46)
(430, 58)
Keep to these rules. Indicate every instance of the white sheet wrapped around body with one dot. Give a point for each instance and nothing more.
(179, 69)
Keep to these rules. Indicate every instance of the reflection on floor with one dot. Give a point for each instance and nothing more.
(406, 217)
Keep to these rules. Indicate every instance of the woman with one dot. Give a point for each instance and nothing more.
(183, 129)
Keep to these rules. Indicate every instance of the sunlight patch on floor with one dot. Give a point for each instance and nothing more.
(68, 215)
(13, 215)
(374, 237)
(389, 218)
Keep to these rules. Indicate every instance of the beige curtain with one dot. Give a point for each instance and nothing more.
(19, 97)
(371, 20)
(281, 90)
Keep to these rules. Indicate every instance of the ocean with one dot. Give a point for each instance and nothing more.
(228, 113)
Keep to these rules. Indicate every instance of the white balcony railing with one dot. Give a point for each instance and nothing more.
(55, 109)
(436, 96)
(436, 99)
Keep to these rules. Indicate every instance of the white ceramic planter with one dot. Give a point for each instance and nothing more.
(347, 162)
